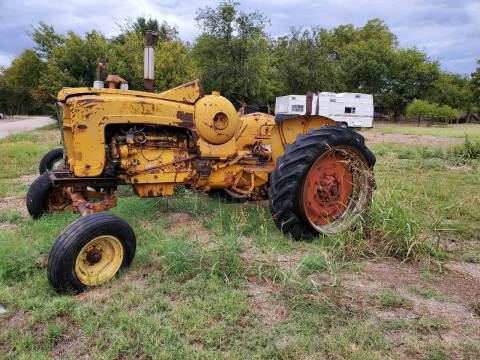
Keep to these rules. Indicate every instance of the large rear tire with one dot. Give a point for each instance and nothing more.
(52, 160)
(89, 252)
(322, 184)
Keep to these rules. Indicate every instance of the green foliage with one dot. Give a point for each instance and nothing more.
(476, 83)
(46, 39)
(19, 85)
(233, 50)
(409, 77)
(468, 151)
(420, 109)
(423, 110)
(390, 299)
(75, 63)
(453, 90)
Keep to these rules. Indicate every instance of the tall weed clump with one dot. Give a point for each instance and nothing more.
(468, 151)
(393, 228)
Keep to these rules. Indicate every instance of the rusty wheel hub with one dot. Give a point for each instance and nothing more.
(327, 188)
(94, 255)
(58, 200)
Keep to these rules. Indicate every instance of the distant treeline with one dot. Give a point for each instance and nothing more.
(233, 53)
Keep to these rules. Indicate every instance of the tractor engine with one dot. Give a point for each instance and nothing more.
(146, 150)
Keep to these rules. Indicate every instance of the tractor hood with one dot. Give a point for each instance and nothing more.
(187, 93)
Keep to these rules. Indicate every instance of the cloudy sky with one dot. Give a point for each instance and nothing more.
(448, 30)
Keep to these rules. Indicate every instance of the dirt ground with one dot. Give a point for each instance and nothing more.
(376, 137)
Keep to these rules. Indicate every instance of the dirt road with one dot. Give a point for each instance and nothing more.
(23, 124)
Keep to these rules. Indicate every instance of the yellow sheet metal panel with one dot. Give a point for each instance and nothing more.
(222, 151)
(215, 119)
(90, 114)
(188, 93)
(286, 131)
(254, 127)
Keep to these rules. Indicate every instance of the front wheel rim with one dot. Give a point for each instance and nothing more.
(99, 260)
(57, 164)
(336, 188)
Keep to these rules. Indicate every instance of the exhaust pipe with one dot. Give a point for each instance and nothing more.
(148, 61)
(98, 84)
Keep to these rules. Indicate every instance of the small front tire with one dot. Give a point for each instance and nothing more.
(89, 252)
(52, 160)
(43, 197)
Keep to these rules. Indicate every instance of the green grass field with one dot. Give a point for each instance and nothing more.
(215, 280)
(472, 131)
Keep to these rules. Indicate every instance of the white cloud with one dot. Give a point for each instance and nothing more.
(6, 59)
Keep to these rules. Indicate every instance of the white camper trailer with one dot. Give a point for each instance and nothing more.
(348, 109)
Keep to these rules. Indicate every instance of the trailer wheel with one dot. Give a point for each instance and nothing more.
(52, 160)
(89, 252)
(322, 184)
(43, 197)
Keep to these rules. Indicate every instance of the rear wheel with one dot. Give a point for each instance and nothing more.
(89, 252)
(322, 183)
(52, 160)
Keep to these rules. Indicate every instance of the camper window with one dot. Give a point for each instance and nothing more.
(349, 110)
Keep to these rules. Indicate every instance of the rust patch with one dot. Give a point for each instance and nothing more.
(186, 119)
(189, 84)
(308, 109)
(89, 101)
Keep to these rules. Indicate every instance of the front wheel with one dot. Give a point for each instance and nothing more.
(89, 252)
(43, 197)
(322, 184)
(52, 160)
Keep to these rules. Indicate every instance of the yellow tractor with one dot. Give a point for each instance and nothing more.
(317, 176)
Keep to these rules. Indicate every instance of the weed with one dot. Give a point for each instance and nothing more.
(389, 299)
(476, 307)
(429, 294)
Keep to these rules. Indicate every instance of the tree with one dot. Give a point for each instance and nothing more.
(21, 84)
(366, 59)
(421, 110)
(476, 85)
(173, 65)
(74, 63)
(410, 76)
(141, 25)
(444, 113)
(46, 39)
(453, 90)
(303, 63)
(233, 50)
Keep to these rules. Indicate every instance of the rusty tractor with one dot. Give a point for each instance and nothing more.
(317, 176)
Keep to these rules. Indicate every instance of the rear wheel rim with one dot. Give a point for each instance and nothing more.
(336, 188)
(99, 260)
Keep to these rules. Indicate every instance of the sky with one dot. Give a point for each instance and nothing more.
(448, 31)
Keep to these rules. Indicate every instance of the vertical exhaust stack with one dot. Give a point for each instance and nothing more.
(148, 61)
(98, 84)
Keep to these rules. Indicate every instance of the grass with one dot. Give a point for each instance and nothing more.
(453, 131)
(214, 280)
(20, 155)
(429, 294)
